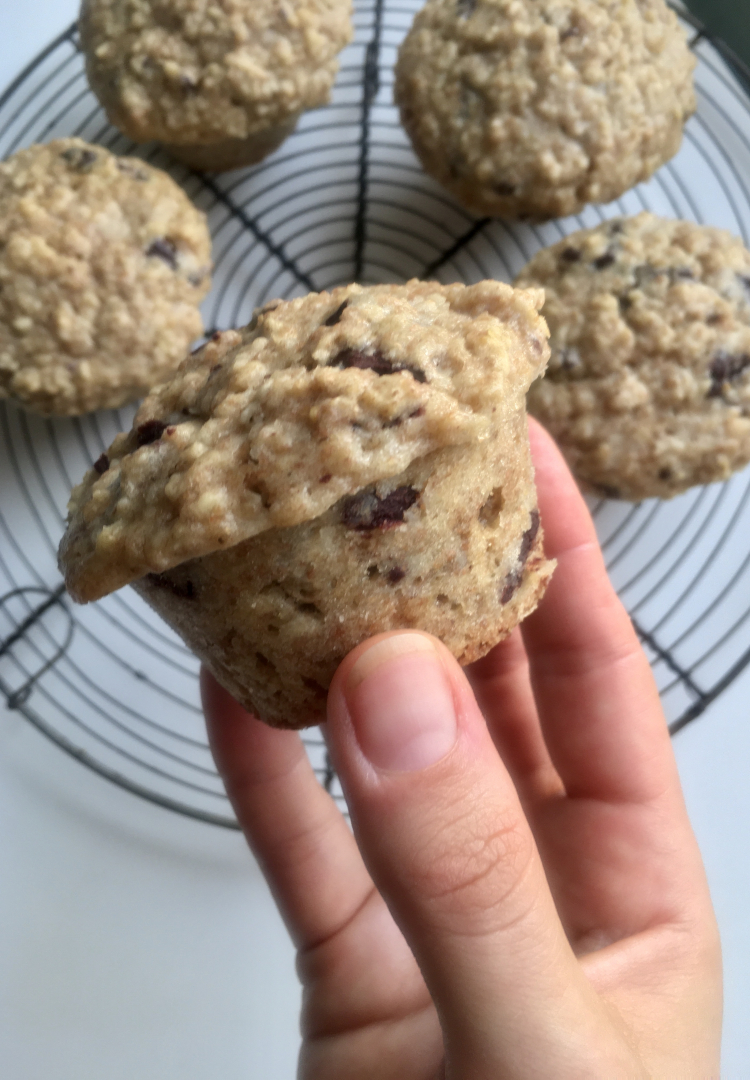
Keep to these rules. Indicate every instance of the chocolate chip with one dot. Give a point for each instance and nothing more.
(512, 581)
(466, 8)
(605, 260)
(625, 302)
(502, 187)
(149, 432)
(263, 660)
(608, 491)
(165, 249)
(326, 478)
(381, 365)
(336, 316)
(726, 368)
(366, 510)
(528, 538)
(101, 464)
(616, 227)
(665, 474)
(315, 686)
(744, 281)
(680, 273)
(514, 578)
(570, 255)
(572, 31)
(396, 574)
(197, 278)
(398, 420)
(80, 159)
(188, 83)
(184, 589)
(129, 169)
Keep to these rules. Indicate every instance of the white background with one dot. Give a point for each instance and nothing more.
(138, 944)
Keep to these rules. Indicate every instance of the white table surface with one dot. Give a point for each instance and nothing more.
(135, 943)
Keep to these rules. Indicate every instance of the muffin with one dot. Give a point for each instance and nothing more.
(351, 462)
(103, 262)
(648, 387)
(220, 84)
(533, 108)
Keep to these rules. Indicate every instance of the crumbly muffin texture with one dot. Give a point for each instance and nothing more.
(351, 462)
(198, 72)
(319, 397)
(648, 385)
(452, 545)
(103, 262)
(533, 108)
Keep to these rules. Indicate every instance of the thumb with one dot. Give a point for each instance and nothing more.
(442, 831)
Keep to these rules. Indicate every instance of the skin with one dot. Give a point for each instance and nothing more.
(523, 896)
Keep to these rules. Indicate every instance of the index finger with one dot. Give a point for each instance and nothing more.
(598, 703)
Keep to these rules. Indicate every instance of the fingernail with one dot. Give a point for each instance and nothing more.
(401, 704)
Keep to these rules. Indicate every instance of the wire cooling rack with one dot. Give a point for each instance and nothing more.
(343, 199)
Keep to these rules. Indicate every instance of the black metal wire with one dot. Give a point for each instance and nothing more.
(343, 199)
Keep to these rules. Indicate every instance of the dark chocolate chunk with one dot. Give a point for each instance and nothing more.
(184, 589)
(514, 578)
(570, 255)
(366, 510)
(263, 660)
(605, 260)
(149, 432)
(336, 316)
(101, 464)
(80, 158)
(165, 249)
(502, 187)
(381, 365)
(665, 474)
(726, 368)
(528, 538)
(396, 574)
(315, 686)
(512, 581)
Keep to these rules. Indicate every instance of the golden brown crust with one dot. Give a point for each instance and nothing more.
(270, 426)
(537, 107)
(648, 386)
(193, 74)
(103, 262)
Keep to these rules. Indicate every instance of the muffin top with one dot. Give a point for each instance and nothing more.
(537, 107)
(648, 386)
(317, 398)
(190, 71)
(103, 262)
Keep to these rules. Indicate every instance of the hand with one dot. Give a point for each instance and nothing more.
(525, 898)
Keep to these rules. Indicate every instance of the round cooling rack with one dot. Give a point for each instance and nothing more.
(343, 199)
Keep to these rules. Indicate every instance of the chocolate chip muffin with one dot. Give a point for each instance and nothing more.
(533, 108)
(648, 387)
(222, 84)
(351, 462)
(103, 262)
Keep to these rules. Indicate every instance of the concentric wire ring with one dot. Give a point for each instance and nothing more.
(343, 199)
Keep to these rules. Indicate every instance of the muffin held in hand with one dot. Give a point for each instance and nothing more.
(103, 262)
(351, 462)
(222, 84)
(648, 387)
(533, 108)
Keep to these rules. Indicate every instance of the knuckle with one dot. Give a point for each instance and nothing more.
(471, 869)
